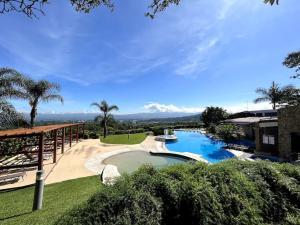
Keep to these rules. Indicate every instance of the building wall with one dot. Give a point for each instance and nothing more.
(268, 149)
(288, 123)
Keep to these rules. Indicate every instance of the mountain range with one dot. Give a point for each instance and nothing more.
(120, 117)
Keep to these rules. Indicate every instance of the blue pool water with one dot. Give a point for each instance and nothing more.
(198, 143)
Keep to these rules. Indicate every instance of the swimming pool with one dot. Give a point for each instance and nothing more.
(198, 143)
(128, 162)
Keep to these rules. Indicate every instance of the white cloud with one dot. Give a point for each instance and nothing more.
(157, 107)
(231, 108)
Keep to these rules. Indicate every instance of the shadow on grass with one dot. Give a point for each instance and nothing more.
(16, 188)
(15, 216)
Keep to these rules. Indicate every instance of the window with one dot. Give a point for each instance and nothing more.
(268, 139)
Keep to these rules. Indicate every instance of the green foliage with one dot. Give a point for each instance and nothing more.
(93, 135)
(231, 192)
(293, 61)
(157, 130)
(228, 132)
(277, 95)
(271, 2)
(10, 82)
(106, 116)
(213, 115)
(212, 128)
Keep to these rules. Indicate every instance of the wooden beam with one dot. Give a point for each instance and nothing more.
(55, 146)
(63, 140)
(77, 130)
(70, 137)
(83, 131)
(41, 150)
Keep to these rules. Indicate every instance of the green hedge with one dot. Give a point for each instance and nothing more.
(232, 192)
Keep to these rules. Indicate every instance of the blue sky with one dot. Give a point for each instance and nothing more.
(197, 54)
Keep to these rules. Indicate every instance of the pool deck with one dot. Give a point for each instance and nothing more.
(74, 162)
(84, 159)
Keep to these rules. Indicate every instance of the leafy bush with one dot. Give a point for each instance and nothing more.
(231, 192)
(157, 130)
(93, 136)
(212, 128)
(228, 132)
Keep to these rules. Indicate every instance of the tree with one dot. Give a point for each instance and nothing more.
(291, 96)
(213, 115)
(228, 132)
(10, 83)
(274, 94)
(32, 7)
(39, 91)
(293, 61)
(271, 2)
(104, 119)
(9, 117)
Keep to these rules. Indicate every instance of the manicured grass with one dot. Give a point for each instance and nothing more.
(15, 206)
(123, 139)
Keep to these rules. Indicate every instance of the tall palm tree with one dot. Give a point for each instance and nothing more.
(105, 109)
(39, 91)
(273, 94)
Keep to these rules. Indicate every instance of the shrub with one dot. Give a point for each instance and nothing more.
(85, 136)
(93, 136)
(231, 192)
(212, 128)
(157, 130)
(228, 132)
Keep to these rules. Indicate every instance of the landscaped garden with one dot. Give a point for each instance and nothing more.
(231, 192)
(128, 139)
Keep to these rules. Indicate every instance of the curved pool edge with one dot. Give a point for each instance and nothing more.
(163, 149)
(95, 163)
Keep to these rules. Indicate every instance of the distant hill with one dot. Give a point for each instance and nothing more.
(125, 117)
(190, 118)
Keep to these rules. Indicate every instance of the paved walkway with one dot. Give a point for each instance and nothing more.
(71, 164)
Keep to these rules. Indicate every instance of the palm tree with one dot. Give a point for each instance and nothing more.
(10, 83)
(39, 91)
(105, 109)
(273, 94)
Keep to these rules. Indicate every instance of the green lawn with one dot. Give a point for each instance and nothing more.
(123, 139)
(15, 206)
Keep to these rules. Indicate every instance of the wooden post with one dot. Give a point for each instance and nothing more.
(55, 146)
(77, 130)
(70, 137)
(41, 151)
(83, 131)
(63, 140)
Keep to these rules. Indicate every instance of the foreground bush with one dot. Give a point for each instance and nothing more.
(232, 192)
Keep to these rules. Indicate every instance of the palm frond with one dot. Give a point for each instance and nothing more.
(53, 98)
(262, 91)
(96, 105)
(113, 107)
(262, 99)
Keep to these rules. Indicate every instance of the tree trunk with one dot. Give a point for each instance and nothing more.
(32, 116)
(274, 105)
(104, 130)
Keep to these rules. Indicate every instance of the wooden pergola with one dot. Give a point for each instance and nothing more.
(48, 139)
